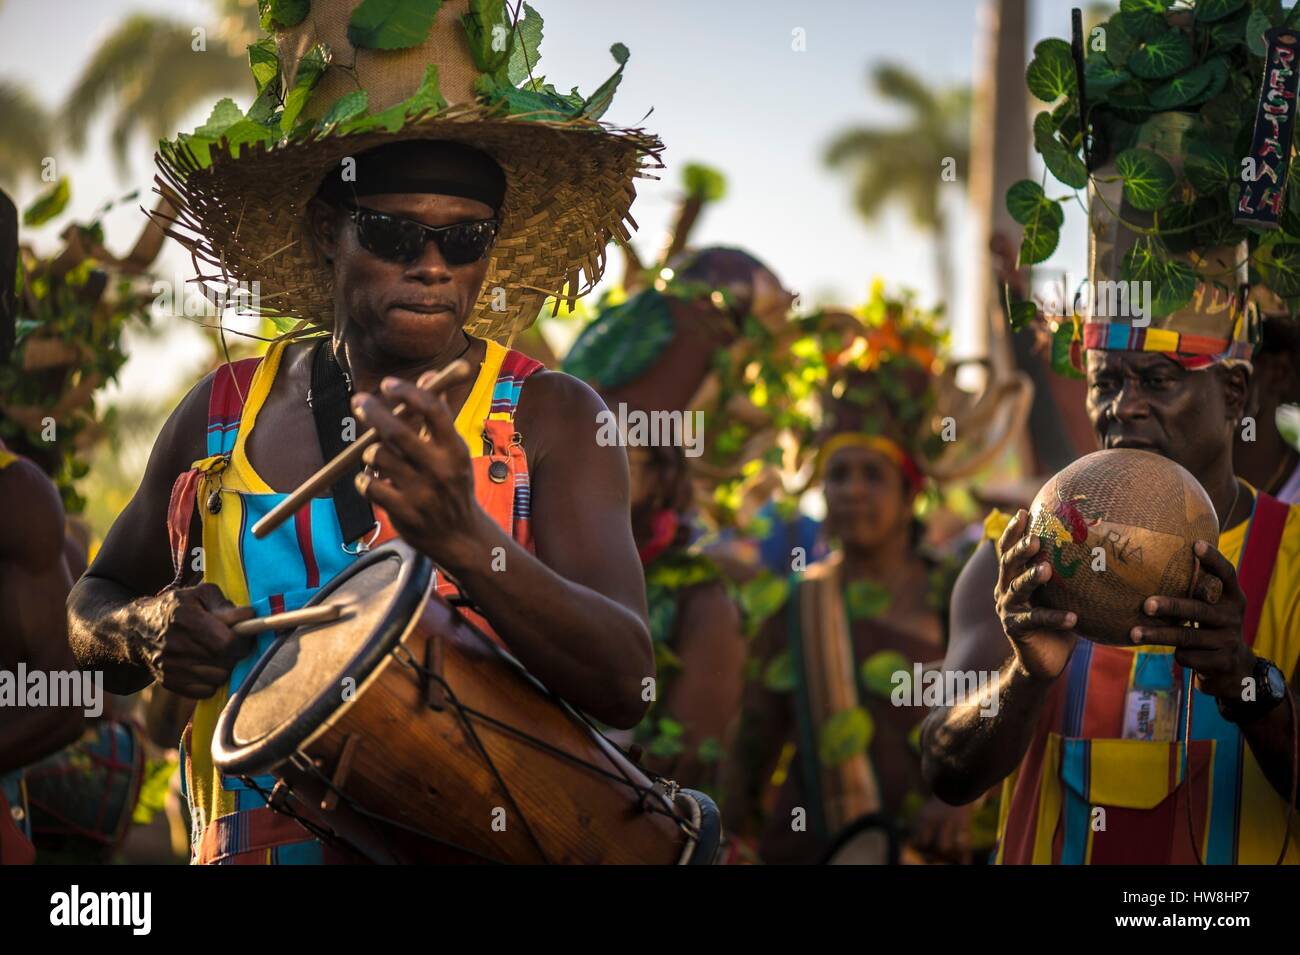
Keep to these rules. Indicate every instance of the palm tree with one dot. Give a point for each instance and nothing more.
(149, 67)
(904, 163)
(25, 135)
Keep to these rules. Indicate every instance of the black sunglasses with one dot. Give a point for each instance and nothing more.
(402, 240)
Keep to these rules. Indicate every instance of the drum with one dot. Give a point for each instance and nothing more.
(402, 719)
(871, 840)
(82, 797)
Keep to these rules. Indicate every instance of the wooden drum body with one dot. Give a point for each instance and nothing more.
(404, 714)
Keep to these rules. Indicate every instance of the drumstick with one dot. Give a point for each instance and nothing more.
(328, 475)
(292, 618)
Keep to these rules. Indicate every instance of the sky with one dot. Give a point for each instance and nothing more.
(720, 81)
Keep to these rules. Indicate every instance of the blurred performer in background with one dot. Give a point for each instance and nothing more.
(34, 584)
(824, 727)
(1267, 460)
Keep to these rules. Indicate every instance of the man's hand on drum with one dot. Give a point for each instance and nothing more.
(190, 646)
(1042, 638)
(419, 471)
(1214, 648)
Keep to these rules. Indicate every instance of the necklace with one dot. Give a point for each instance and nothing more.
(1235, 497)
(347, 377)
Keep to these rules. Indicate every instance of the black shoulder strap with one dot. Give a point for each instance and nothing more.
(330, 406)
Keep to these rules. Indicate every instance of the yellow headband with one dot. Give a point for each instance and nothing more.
(873, 442)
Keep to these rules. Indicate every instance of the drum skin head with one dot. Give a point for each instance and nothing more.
(298, 683)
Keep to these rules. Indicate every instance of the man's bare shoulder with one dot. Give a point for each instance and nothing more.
(31, 523)
(557, 411)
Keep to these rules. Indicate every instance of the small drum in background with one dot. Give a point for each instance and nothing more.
(403, 718)
(81, 798)
(871, 840)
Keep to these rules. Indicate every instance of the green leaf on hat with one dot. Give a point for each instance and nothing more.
(264, 61)
(48, 204)
(1027, 203)
(525, 47)
(1050, 74)
(595, 107)
(1258, 24)
(1148, 178)
(537, 99)
(310, 69)
(1209, 167)
(347, 107)
(1208, 11)
(488, 35)
(224, 115)
(1060, 161)
(1172, 282)
(276, 14)
(1163, 55)
(845, 735)
(427, 98)
(391, 24)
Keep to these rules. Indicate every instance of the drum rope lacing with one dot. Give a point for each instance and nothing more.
(465, 713)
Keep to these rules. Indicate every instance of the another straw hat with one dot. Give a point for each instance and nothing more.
(242, 187)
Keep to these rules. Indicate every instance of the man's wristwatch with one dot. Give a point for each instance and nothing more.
(1270, 690)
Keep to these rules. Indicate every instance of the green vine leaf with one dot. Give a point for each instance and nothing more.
(391, 24)
(347, 107)
(1062, 360)
(623, 342)
(1172, 282)
(1061, 162)
(264, 61)
(1161, 56)
(1207, 11)
(1209, 168)
(1122, 40)
(1280, 267)
(1258, 24)
(1148, 178)
(278, 14)
(1100, 76)
(1050, 74)
(599, 101)
(1028, 204)
(1182, 89)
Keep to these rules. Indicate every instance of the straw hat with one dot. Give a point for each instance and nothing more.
(241, 187)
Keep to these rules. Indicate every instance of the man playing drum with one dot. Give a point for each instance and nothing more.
(400, 238)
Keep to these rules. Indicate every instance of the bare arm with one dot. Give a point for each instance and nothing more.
(575, 613)
(117, 620)
(34, 583)
(968, 748)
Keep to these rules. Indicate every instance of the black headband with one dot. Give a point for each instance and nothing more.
(422, 166)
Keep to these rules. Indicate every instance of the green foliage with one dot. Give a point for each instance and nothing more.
(779, 675)
(483, 25)
(623, 342)
(760, 598)
(391, 24)
(864, 600)
(703, 182)
(81, 309)
(525, 46)
(49, 204)
(153, 790)
(1148, 178)
(845, 735)
(877, 672)
(310, 70)
(1051, 75)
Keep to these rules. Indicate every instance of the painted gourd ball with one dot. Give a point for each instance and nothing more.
(1118, 527)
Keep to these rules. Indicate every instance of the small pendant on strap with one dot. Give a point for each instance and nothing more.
(498, 471)
(214, 502)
